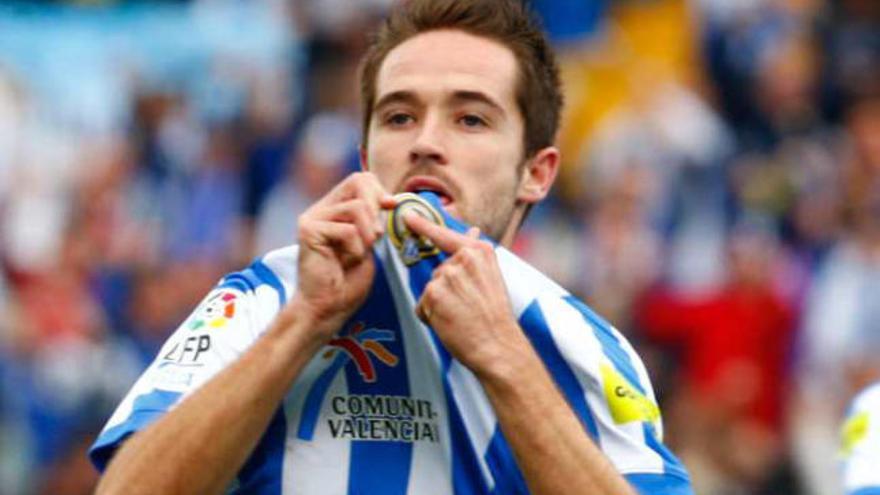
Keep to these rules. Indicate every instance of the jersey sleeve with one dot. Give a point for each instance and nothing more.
(226, 322)
(608, 387)
(601, 377)
(860, 446)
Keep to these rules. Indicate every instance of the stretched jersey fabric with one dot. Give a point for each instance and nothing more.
(384, 408)
(861, 444)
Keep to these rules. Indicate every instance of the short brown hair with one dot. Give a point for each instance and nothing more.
(508, 22)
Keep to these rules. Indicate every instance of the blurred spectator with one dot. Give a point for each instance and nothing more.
(661, 158)
(850, 34)
(621, 253)
(731, 345)
(329, 143)
(840, 336)
(207, 203)
(270, 125)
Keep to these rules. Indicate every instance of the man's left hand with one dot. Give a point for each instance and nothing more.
(466, 300)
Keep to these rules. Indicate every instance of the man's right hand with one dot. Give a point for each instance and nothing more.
(336, 236)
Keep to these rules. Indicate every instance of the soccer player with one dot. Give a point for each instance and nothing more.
(861, 444)
(309, 373)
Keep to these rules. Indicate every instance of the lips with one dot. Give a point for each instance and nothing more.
(427, 183)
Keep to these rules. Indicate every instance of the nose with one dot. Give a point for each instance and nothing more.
(428, 147)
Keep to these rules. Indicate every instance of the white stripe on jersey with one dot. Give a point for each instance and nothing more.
(430, 470)
(319, 465)
(476, 411)
(524, 283)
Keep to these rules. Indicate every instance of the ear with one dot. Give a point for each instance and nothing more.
(362, 152)
(538, 175)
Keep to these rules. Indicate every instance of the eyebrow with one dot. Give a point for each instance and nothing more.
(405, 97)
(459, 96)
(477, 97)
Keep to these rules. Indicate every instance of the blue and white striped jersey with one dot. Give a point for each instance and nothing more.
(384, 408)
(861, 444)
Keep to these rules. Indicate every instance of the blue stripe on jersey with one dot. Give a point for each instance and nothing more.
(234, 282)
(312, 406)
(535, 327)
(380, 466)
(610, 344)
(262, 472)
(252, 277)
(245, 280)
(499, 458)
(868, 490)
(269, 277)
(467, 477)
(658, 484)
(671, 464)
(146, 409)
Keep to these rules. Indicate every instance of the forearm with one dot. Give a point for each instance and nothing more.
(199, 446)
(552, 449)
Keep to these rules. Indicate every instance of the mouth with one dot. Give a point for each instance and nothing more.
(425, 183)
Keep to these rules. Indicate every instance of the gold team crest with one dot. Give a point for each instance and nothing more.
(412, 248)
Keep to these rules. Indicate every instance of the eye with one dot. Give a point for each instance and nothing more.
(398, 119)
(471, 120)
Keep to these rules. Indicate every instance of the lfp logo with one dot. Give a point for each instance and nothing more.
(215, 312)
(358, 343)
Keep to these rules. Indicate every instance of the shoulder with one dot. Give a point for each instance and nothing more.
(273, 274)
(868, 400)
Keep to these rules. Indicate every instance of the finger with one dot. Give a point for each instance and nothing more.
(447, 240)
(340, 237)
(473, 233)
(362, 185)
(422, 312)
(388, 202)
(378, 199)
(366, 185)
(355, 211)
(426, 304)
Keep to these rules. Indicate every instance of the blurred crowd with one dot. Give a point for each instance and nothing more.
(719, 203)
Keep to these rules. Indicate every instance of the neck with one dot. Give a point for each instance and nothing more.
(513, 226)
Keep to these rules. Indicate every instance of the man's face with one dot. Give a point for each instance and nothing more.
(446, 120)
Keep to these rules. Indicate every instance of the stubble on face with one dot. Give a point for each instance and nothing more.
(494, 211)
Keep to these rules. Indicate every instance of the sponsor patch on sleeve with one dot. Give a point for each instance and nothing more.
(854, 432)
(626, 403)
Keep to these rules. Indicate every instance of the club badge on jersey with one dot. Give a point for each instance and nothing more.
(412, 248)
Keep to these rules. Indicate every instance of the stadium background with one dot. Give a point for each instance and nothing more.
(720, 203)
